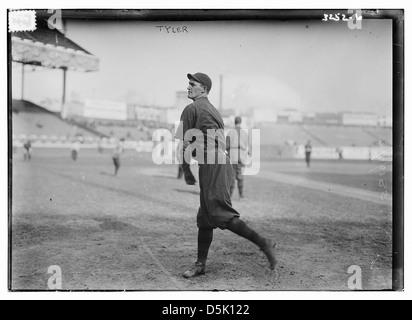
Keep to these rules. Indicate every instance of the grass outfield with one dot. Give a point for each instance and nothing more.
(137, 231)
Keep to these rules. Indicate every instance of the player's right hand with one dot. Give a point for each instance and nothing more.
(190, 179)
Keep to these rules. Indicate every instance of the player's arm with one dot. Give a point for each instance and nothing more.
(228, 143)
(187, 122)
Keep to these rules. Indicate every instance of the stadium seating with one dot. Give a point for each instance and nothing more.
(323, 135)
(44, 125)
(383, 134)
(34, 122)
(129, 133)
(285, 134)
(335, 136)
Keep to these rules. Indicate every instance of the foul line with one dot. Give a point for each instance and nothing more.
(337, 189)
(159, 264)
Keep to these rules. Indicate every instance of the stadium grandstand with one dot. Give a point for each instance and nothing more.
(30, 121)
(48, 48)
(284, 140)
(331, 136)
(134, 130)
(98, 120)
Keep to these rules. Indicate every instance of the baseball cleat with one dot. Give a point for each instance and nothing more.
(197, 270)
(270, 252)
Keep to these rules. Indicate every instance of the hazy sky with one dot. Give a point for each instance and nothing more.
(311, 66)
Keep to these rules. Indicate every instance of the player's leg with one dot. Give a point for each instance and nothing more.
(116, 165)
(239, 177)
(240, 187)
(233, 182)
(180, 172)
(239, 227)
(204, 240)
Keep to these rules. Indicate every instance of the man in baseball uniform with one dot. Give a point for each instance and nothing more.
(117, 151)
(308, 153)
(237, 147)
(215, 177)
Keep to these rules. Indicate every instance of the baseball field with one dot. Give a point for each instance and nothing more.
(137, 231)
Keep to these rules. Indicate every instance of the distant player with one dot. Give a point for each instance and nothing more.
(179, 151)
(237, 145)
(216, 209)
(75, 149)
(100, 145)
(27, 150)
(308, 152)
(117, 151)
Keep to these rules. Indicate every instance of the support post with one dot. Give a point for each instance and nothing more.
(221, 93)
(64, 86)
(22, 80)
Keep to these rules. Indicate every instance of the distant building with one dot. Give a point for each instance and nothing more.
(105, 109)
(267, 115)
(309, 118)
(290, 116)
(360, 119)
(328, 119)
(148, 113)
(182, 100)
(170, 116)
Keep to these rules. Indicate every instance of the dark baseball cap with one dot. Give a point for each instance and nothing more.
(201, 78)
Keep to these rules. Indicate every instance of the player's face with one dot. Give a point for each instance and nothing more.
(195, 90)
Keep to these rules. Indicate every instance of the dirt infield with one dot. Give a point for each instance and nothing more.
(137, 231)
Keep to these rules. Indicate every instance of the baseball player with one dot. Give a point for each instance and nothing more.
(117, 151)
(179, 151)
(308, 152)
(237, 148)
(216, 209)
(75, 149)
(27, 150)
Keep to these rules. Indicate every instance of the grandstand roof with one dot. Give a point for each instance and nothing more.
(51, 48)
(27, 106)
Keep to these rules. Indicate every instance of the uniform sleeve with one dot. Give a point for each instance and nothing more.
(187, 121)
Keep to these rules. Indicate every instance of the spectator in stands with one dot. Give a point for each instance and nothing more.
(27, 150)
(117, 151)
(308, 152)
